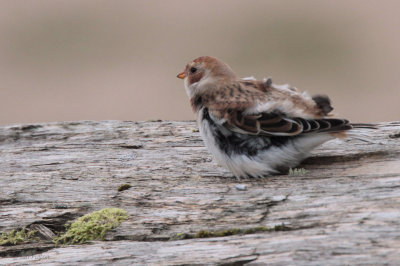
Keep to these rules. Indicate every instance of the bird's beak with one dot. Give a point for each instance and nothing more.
(181, 75)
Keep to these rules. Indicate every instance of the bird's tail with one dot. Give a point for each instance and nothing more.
(364, 125)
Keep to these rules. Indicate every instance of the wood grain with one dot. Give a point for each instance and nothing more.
(345, 209)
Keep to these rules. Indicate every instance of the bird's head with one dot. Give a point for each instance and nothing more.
(203, 72)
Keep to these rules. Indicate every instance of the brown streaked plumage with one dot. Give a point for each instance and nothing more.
(256, 128)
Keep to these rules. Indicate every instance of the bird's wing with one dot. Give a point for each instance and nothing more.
(278, 124)
(227, 96)
(277, 112)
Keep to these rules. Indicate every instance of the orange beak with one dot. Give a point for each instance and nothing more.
(181, 75)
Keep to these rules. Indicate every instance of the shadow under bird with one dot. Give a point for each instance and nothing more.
(256, 128)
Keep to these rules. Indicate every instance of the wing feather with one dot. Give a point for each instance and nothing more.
(231, 103)
(277, 124)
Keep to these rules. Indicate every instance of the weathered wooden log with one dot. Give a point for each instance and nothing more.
(341, 206)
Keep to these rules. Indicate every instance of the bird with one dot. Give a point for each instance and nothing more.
(255, 128)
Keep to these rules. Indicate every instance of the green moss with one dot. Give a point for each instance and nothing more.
(257, 229)
(297, 172)
(181, 236)
(203, 234)
(93, 226)
(281, 227)
(227, 232)
(124, 187)
(233, 231)
(17, 236)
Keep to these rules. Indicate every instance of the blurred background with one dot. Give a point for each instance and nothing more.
(98, 60)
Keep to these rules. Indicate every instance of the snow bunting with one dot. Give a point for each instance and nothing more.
(256, 128)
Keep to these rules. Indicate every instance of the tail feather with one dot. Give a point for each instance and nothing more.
(364, 125)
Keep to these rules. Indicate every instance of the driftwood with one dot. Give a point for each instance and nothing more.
(341, 206)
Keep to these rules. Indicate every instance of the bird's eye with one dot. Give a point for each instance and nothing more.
(193, 70)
